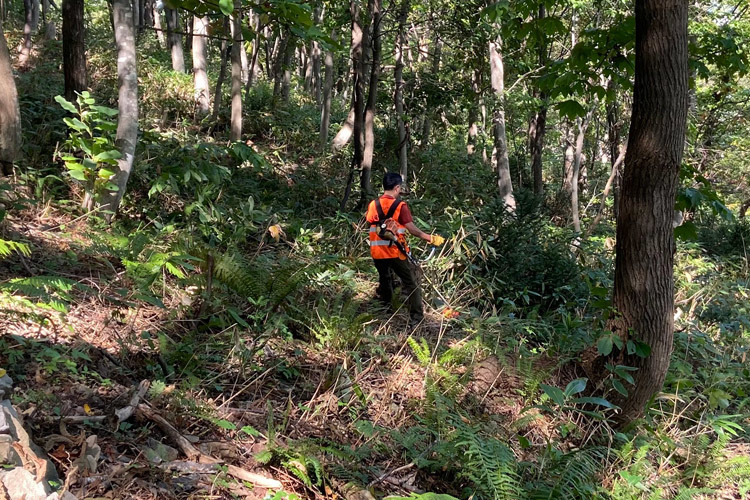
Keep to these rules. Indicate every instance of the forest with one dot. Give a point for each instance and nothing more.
(203, 204)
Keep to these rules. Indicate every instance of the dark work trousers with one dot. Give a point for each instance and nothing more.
(410, 288)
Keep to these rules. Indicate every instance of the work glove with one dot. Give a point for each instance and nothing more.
(436, 240)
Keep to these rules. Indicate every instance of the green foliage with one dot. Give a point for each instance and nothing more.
(89, 153)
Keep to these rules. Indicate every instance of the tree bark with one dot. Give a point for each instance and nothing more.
(500, 144)
(583, 124)
(158, 26)
(253, 67)
(236, 133)
(278, 64)
(317, 84)
(358, 65)
(644, 289)
(473, 129)
(29, 27)
(538, 126)
(74, 48)
(10, 114)
(366, 192)
(398, 95)
(225, 52)
(127, 104)
(200, 76)
(174, 40)
(286, 80)
(325, 113)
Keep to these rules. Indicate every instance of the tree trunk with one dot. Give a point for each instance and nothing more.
(278, 64)
(613, 134)
(644, 288)
(286, 81)
(174, 39)
(317, 84)
(398, 96)
(200, 77)
(29, 27)
(358, 105)
(158, 26)
(137, 16)
(583, 123)
(538, 126)
(325, 114)
(437, 49)
(500, 144)
(225, 51)
(127, 104)
(49, 24)
(253, 67)
(366, 192)
(244, 64)
(74, 48)
(473, 129)
(10, 114)
(236, 133)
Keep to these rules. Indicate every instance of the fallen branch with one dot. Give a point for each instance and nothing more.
(199, 462)
(125, 413)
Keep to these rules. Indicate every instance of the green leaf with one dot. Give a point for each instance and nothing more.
(225, 424)
(111, 186)
(79, 175)
(65, 104)
(105, 174)
(686, 231)
(571, 109)
(112, 154)
(250, 431)
(104, 110)
(595, 401)
(575, 386)
(226, 7)
(619, 387)
(604, 345)
(642, 349)
(554, 393)
(76, 124)
(524, 442)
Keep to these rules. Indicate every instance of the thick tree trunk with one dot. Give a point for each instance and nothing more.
(127, 104)
(500, 144)
(236, 133)
(200, 76)
(225, 52)
(10, 115)
(398, 95)
(325, 113)
(644, 289)
(74, 48)
(174, 39)
(366, 192)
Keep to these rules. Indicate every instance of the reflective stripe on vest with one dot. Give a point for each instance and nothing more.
(374, 229)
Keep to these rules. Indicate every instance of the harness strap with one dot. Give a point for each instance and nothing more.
(382, 217)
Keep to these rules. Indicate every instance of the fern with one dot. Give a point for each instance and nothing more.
(489, 464)
(571, 475)
(9, 247)
(49, 292)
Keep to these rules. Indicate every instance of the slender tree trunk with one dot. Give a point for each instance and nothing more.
(236, 133)
(49, 24)
(437, 49)
(137, 16)
(366, 192)
(605, 193)
(244, 63)
(539, 124)
(127, 104)
(473, 130)
(200, 77)
(253, 67)
(29, 27)
(174, 39)
(10, 114)
(325, 114)
(566, 188)
(317, 84)
(74, 48)
(148, 13)
(286, 81)
(278, 65)
(225, 52)
(644, 288)
(500, 146)
(583, 124)
(358, 105)
(398, 96)
(158, 26)
(613, 133)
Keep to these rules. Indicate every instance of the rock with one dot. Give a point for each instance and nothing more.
(89, 460)
(6, 385)
(33, 453)
(353, 492)
(21, 485)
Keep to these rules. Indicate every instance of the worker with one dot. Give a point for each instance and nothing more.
(390, 218)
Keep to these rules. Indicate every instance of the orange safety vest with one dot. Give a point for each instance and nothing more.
(381, 248)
